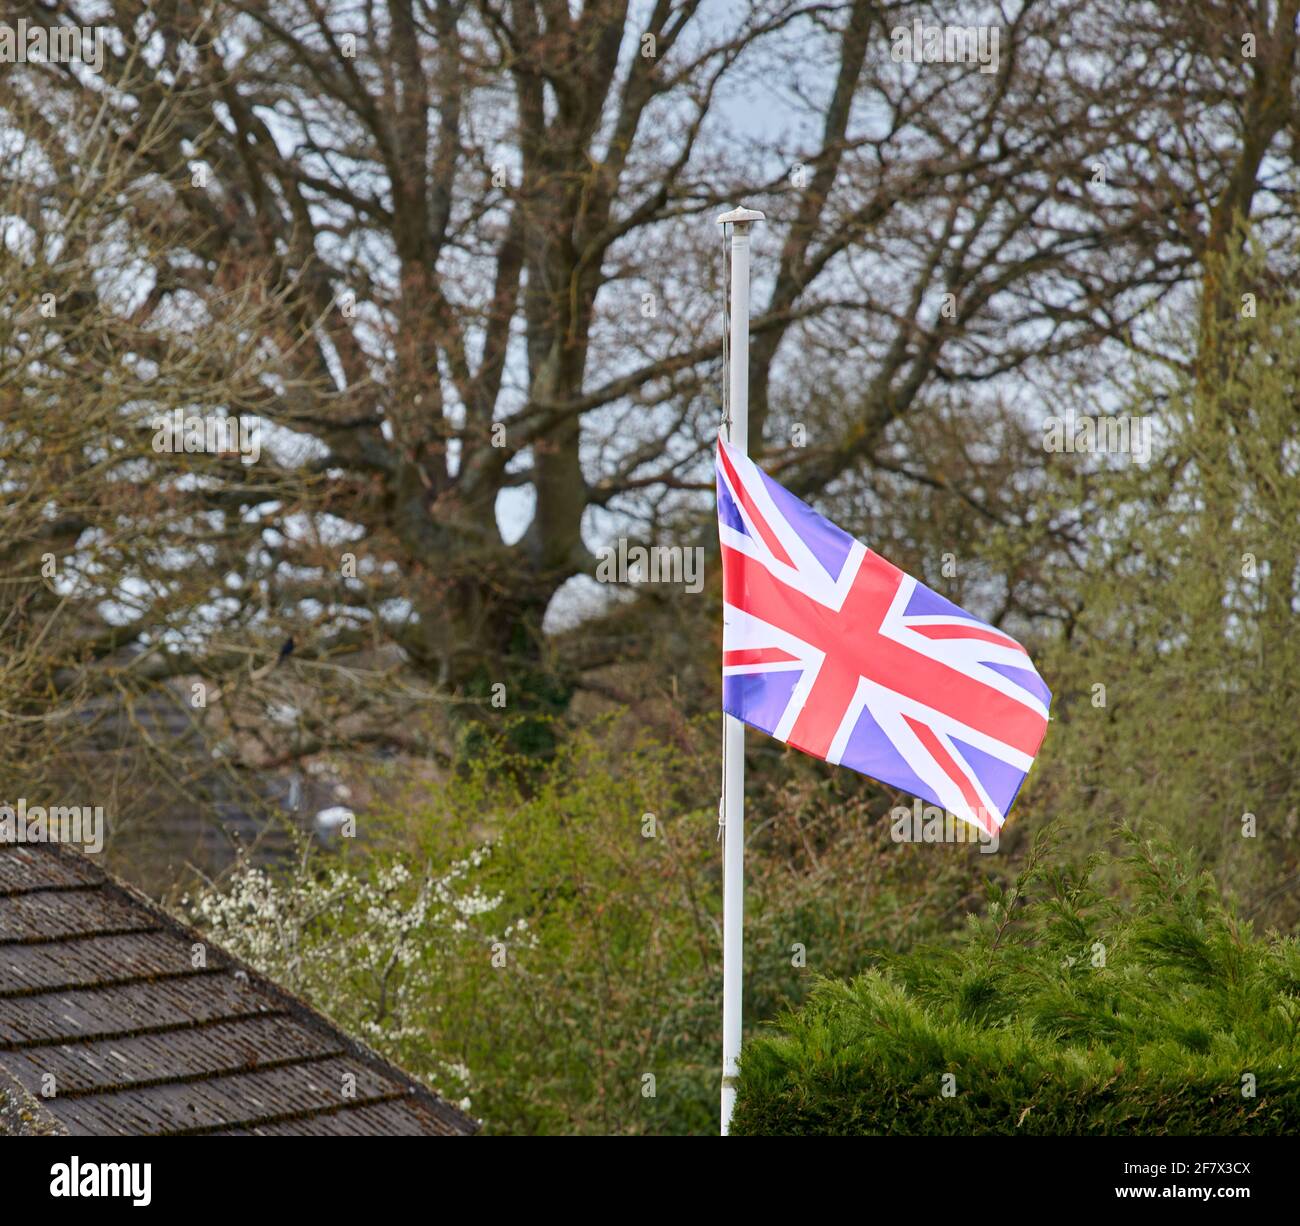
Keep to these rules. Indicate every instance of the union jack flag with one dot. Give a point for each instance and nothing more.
(830, 648)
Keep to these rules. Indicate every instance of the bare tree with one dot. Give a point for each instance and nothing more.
(492, 221)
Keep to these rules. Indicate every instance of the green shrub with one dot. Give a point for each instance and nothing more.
(542, 939)
(605, 1016)
(1063, 1013)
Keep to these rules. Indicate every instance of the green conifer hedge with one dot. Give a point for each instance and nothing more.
(1063, 1013)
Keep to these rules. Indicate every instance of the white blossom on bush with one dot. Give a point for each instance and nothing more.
(365, 948)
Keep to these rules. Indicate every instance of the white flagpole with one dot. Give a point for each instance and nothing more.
(733, 745)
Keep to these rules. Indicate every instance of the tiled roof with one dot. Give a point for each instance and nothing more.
(107, 1027)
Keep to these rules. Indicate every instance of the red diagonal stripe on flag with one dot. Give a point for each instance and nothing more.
(934, 747)
(741, 494)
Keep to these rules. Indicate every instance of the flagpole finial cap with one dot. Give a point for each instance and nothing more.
(740, 217)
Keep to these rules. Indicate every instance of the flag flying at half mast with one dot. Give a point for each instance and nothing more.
(830, 648)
